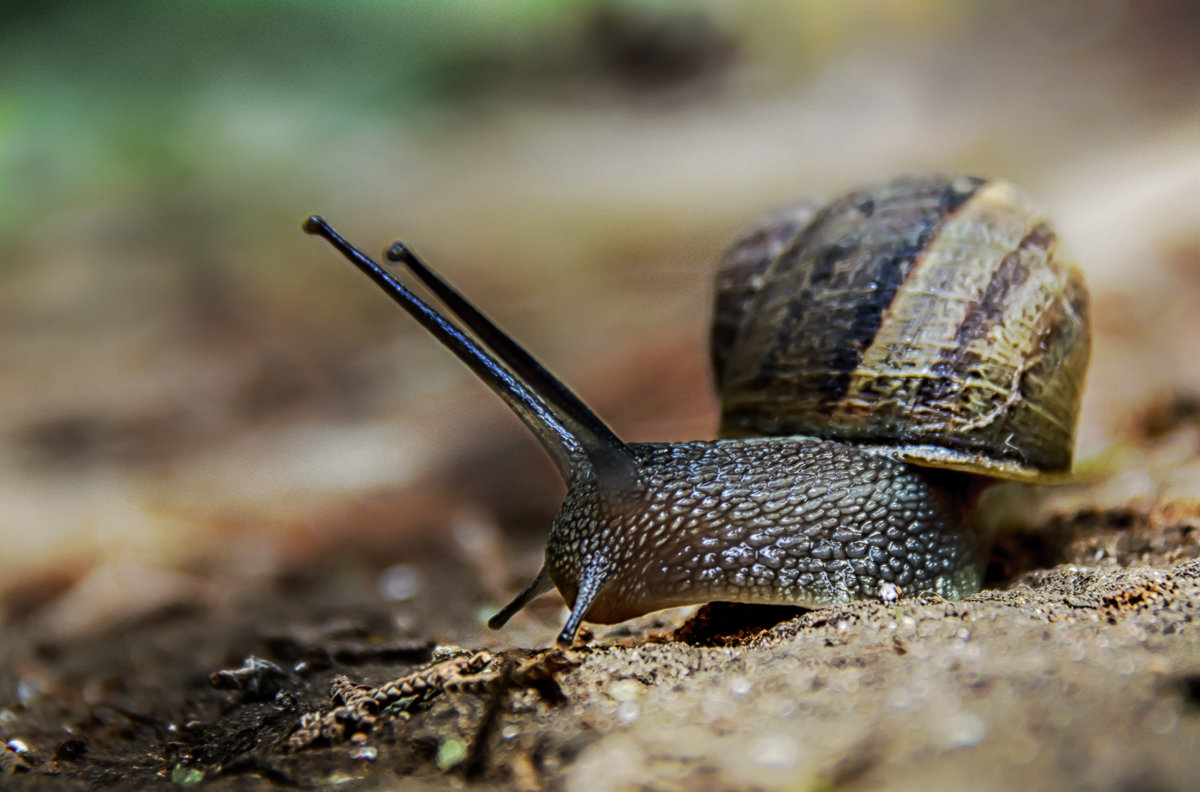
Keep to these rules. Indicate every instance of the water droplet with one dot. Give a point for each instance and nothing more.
(740, 686)
(367, 752)
(628, 712)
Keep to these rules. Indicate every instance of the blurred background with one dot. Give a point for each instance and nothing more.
(195, 396)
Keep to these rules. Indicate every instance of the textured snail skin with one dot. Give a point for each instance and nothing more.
(930, 330)
(794, 521)
(880, 359)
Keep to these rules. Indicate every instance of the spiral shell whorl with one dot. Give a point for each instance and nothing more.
(937, 316)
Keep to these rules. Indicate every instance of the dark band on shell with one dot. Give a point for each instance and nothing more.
(938, 316)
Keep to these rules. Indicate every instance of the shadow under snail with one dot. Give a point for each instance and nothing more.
(880, 360)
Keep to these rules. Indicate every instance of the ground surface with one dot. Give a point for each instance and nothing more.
(233, 479)
(1083, 672)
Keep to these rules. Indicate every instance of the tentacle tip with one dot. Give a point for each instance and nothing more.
(565, 639)
(315, 224)
(398, 252)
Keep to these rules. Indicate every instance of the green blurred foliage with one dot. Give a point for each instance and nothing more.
(108, 98)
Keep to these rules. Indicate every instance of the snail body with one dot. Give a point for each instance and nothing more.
(880, 359)
(787, 521)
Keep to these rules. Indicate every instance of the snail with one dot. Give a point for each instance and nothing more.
(880, 360)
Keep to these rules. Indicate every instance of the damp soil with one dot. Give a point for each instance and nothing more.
(1079, 667)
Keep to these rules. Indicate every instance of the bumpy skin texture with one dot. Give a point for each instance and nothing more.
(795, 521)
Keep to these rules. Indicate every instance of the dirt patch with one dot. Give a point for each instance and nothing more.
(1074, 676)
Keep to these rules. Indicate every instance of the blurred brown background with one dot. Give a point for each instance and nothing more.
(194, 392)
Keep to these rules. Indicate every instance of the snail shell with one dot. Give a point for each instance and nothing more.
(859, 347)
(935, 316)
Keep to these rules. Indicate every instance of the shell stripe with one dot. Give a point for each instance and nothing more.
(979, 317)
(1010, 275)
(934, 379)
(740, 276)
(795, 320)
(980, 389)
(932, 316)
(1049, 400)
(896, 262)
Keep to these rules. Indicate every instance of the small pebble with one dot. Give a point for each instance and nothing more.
(186, 776)
(625, 689)
(451, 752)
